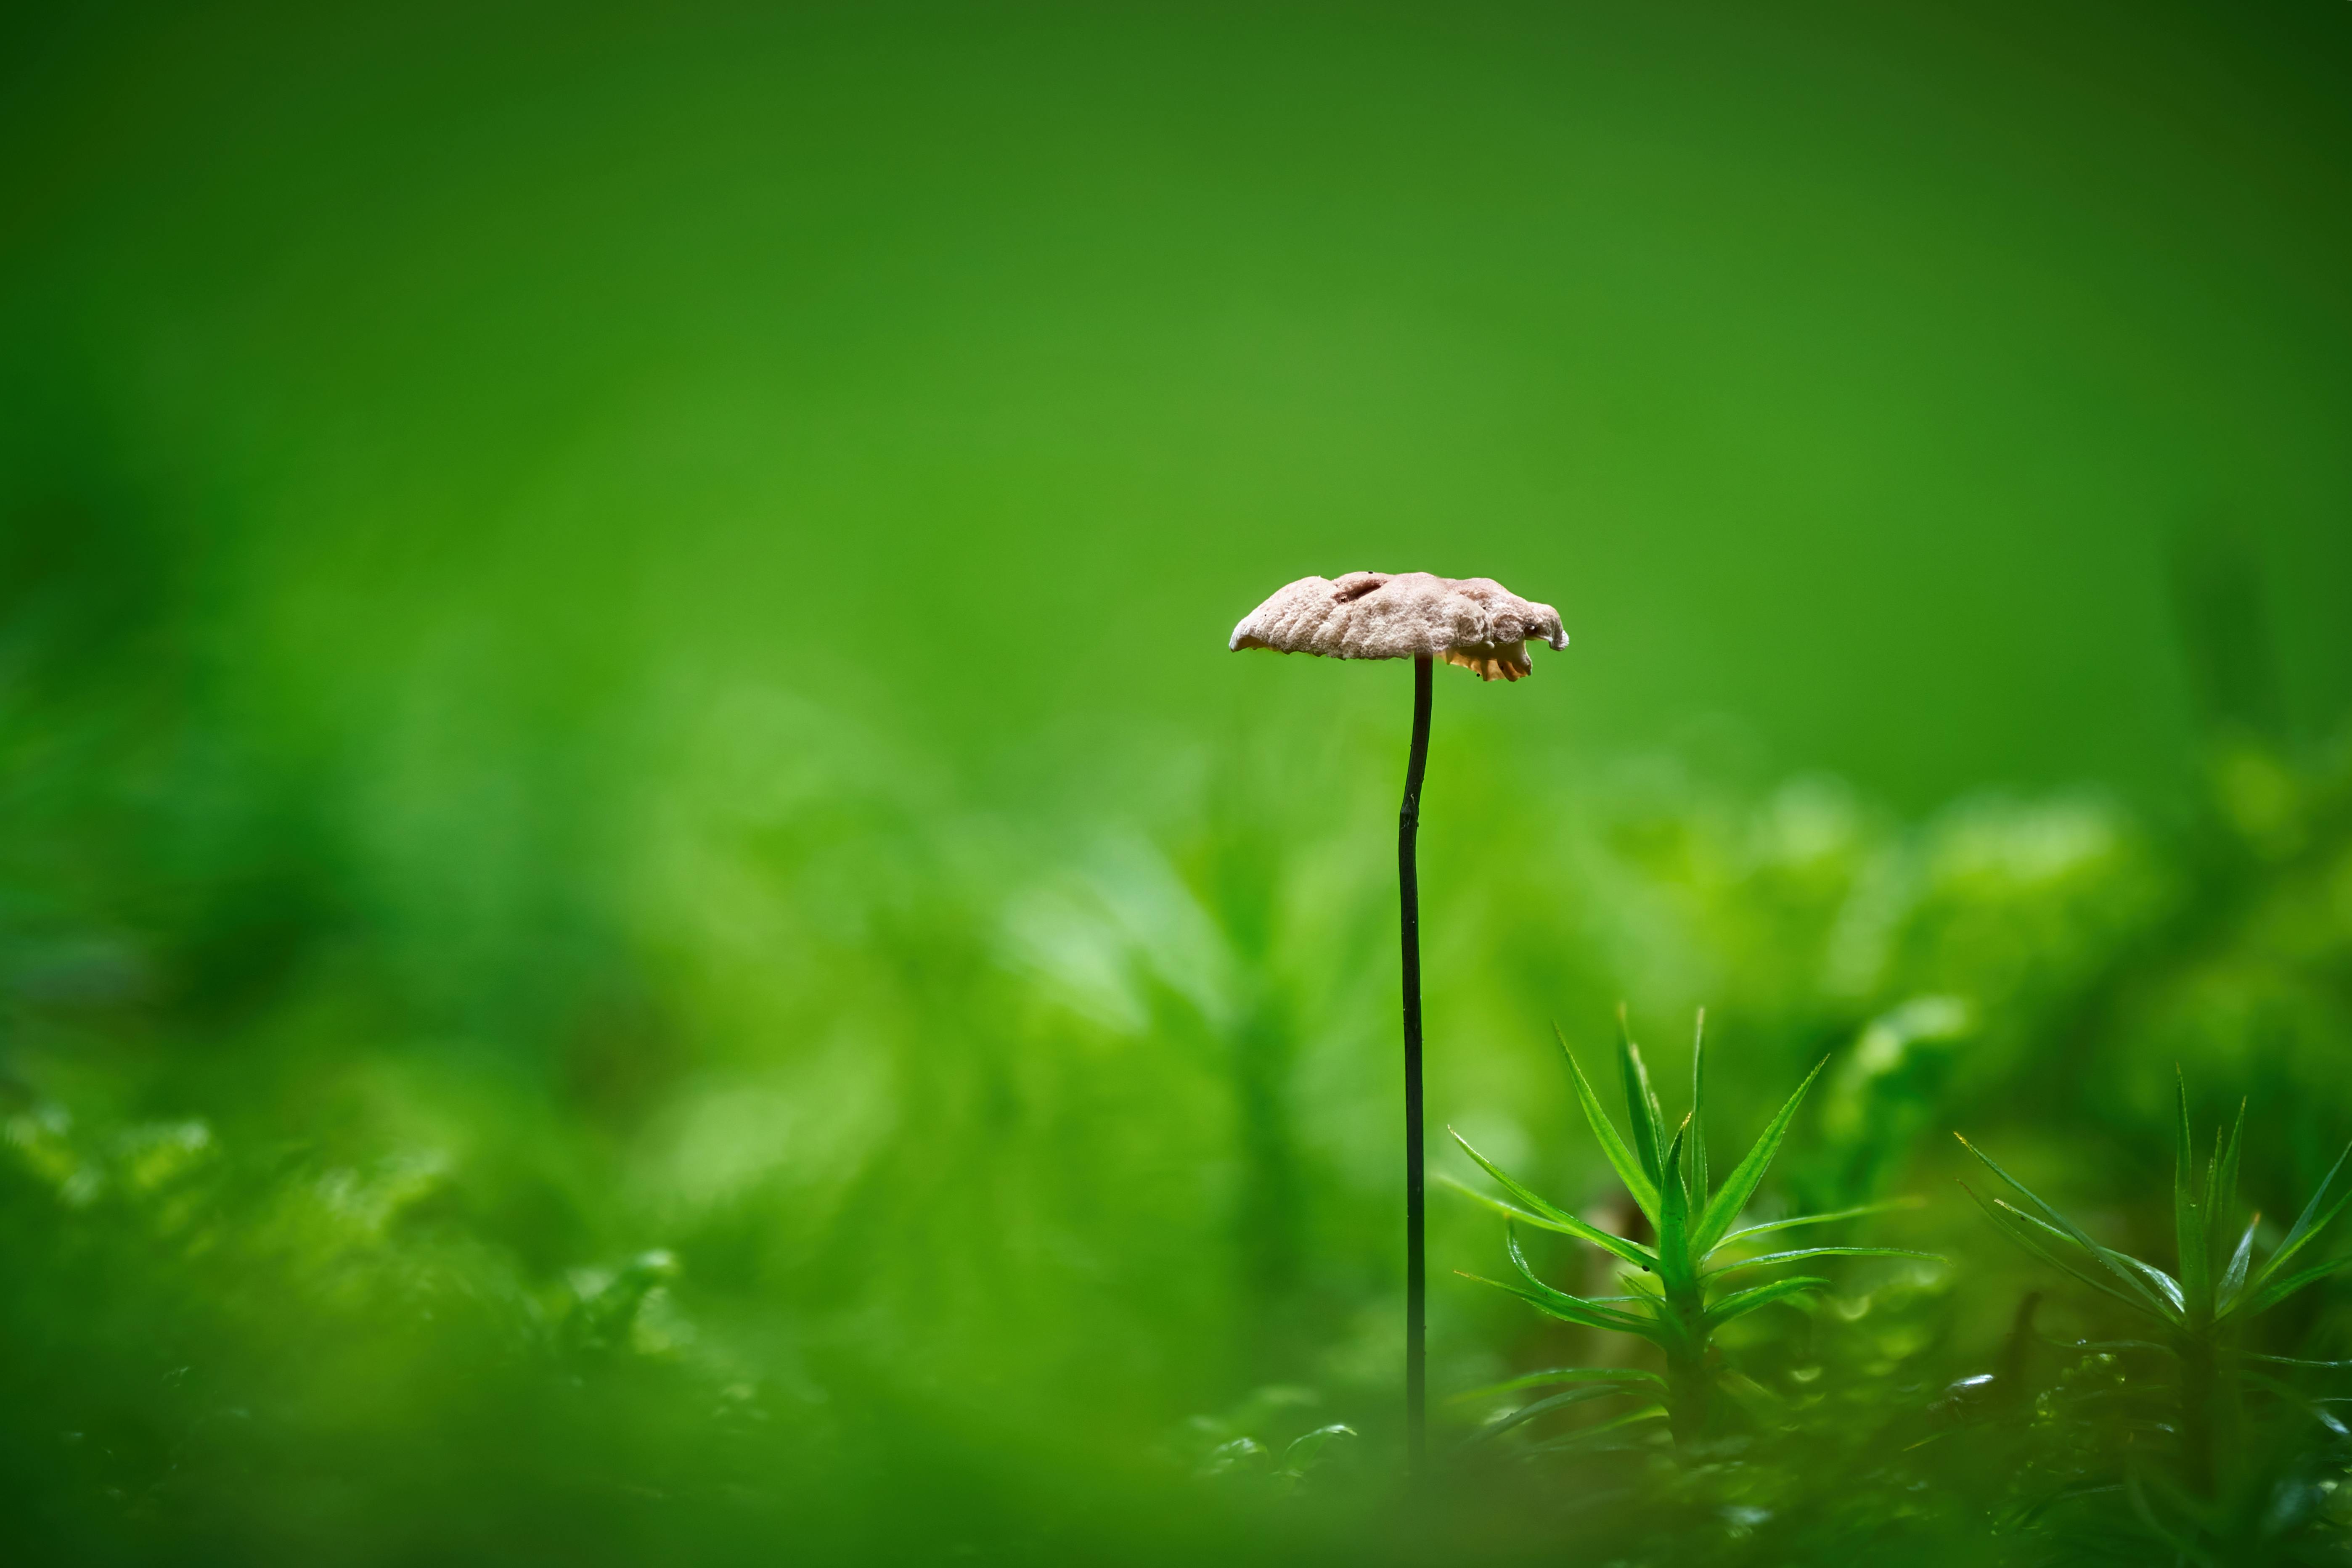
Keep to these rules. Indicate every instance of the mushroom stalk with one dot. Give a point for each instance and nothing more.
(1416, 1267)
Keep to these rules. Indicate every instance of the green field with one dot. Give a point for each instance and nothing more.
(642, 919)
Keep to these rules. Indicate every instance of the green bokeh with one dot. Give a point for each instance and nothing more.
(1844, 374)
(613, 633)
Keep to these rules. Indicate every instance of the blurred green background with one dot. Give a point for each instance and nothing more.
(640, 910)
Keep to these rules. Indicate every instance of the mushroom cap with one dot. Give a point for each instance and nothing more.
(1473, 622)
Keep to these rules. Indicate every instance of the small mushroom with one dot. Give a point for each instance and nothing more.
(1473, 622)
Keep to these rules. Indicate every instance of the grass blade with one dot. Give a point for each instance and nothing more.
(2233, 1281)
(2072, 1231)
(1519, 1261)
(2006, 1220)
(1887, 1206)
(2166, 1285)
(1698, 1178)
(1741, 1183)
(2225, 1187)
(1675, 1261)
(1570, 1309)
(2188, 1214)
(1621, 1159)
(2278, 1291)
(1536, 1211)
(1641, 1103)
(1528, 1413)
(1616, 1245)
(2305, 1226)
(1821, 1252)
(1740, 1303)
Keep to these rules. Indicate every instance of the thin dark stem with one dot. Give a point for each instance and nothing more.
(1416, 1265)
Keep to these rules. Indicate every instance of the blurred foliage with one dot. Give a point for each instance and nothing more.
(899, 1133)
(640, 919)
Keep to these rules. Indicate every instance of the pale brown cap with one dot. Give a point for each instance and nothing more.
(1473, 622)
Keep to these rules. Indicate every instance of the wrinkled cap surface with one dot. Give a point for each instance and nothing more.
(1473, 622)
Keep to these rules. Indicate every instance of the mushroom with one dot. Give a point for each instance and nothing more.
(1473, 622)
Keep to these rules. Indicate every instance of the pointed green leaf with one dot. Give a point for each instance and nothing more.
(2073, 1232)
(1637, 1256)
(2147, 1274)
(2013, 1224)
(1536, 1211)
(1621, 1159)
(1568, 1309)
(2278, 1291)
(1651, 1296)
(1821, 1252)
(2225, 1194)
(1641, 1103)
(2233, 1281)
(1528, 1413)
(2188, 1214)
(1741, 1183)
(1740, 1303)
(1618, 1300)
(1699, 1180)
(1675, 1253)
(1887, 1206)
(2164, 1284)
(2305, 1227)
